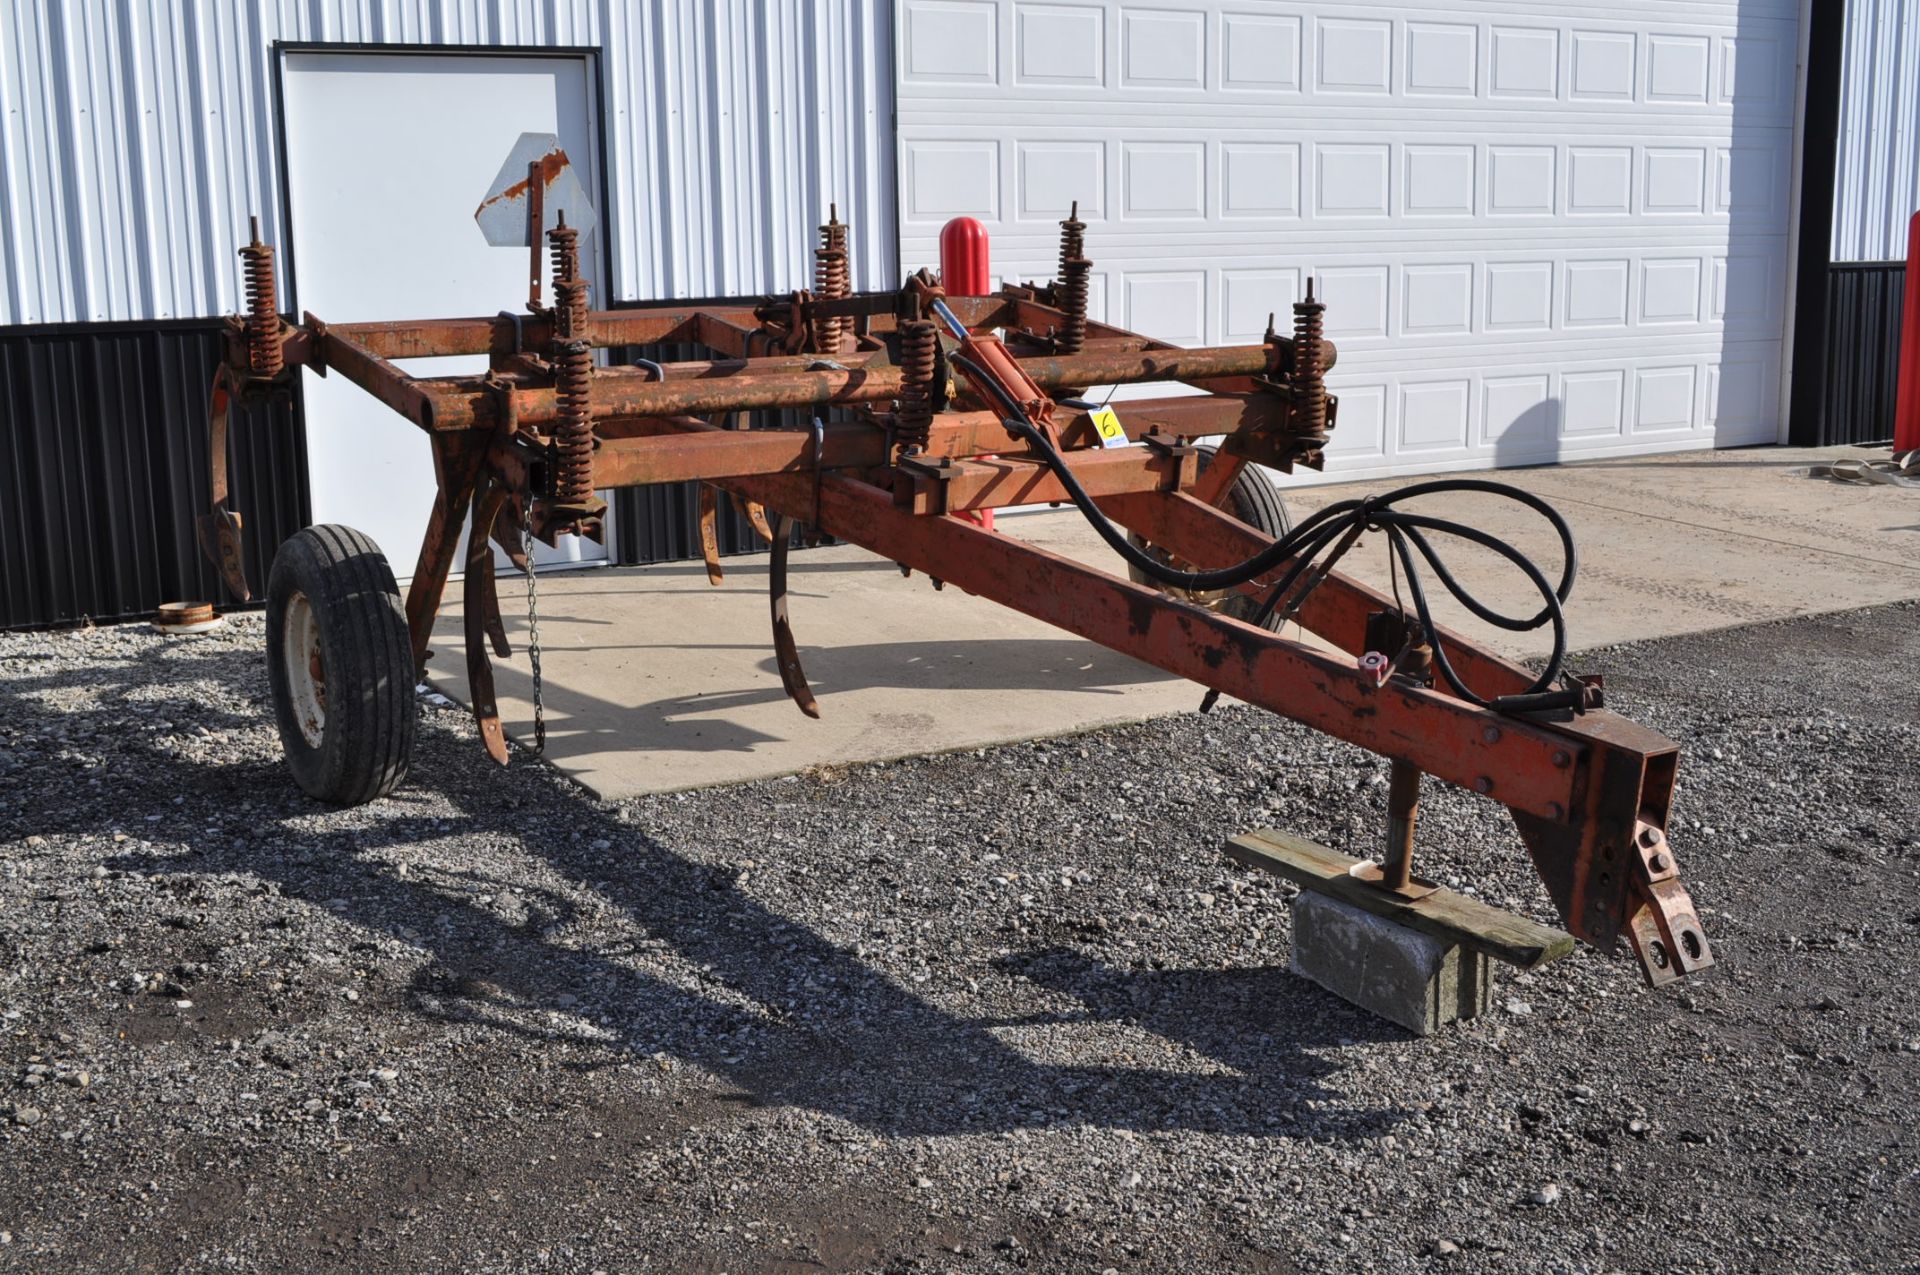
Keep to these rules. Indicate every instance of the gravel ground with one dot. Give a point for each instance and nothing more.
(1000, 1009)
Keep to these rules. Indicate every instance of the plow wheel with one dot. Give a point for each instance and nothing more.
(340, 664)
(1254, 500)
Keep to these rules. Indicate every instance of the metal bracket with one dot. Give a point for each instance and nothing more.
(1374, 875)
(1663, 925)
(920, 482)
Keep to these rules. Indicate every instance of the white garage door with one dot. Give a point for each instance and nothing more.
(388, 154)
(1543, 230)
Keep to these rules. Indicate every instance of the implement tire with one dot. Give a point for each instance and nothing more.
(340, 664)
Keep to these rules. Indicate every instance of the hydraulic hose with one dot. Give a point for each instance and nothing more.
(1407, 536)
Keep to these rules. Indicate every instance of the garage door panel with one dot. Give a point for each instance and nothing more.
(1541, 229)
(1160, 179)
(1449, 304)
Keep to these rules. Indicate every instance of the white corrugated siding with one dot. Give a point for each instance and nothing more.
(137, 136)
(1877, 177)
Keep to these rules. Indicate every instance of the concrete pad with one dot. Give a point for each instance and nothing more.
(657, 681)
(1678, 543)
(1406, 977)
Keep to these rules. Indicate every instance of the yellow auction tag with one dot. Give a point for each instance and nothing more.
(1106, 422)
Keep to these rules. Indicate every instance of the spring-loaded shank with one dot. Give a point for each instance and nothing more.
(263, 310)
(1070, 289)
(832, 281)
(919, 351)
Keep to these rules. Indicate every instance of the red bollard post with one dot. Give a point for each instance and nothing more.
(963, 258)
(963, 273)
(1906, 402)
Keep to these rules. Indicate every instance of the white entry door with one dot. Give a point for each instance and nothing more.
(388, 155)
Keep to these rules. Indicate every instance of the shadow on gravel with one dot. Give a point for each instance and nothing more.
(819, 1028)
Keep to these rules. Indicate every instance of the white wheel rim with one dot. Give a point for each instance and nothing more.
(305, 668)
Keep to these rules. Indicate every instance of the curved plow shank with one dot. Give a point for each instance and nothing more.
(219, 529)
(785, 653)
(479, 604)
(757, 516)
(710, 534)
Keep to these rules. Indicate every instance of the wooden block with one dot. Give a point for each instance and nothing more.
(1443, 913)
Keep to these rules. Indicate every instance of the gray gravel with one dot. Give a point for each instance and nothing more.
(1001, 1009)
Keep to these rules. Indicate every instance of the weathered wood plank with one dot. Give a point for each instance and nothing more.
(1444, 913)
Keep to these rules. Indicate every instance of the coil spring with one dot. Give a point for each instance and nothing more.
(1071, 279)
(569, 308)
(263, 311)
(1073, 237)
(573, 422)
(563, 241)
(834, 234)
(832, 279)
(919, 351)
(1309, 390)
(569, 289)
(830, 283)
(1071, 293)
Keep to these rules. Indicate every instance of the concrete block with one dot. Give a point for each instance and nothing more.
(1406, 977)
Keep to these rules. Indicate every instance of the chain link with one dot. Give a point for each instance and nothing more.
(533, 642)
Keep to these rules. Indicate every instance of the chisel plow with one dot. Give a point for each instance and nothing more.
(914, 413)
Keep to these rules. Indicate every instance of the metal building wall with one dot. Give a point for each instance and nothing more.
(1861, 175)
(1856, 399)
(137, 135)
(103, 469)
(1877, 172)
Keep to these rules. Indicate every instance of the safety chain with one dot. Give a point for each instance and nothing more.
(533, 642)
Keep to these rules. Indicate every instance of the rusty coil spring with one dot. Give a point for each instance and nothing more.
(832, 279)
(1073, 237)
(569, 289)
(1071, 280)
(833, 235)
(570, 309)
(1309, 390)
(573, 422)
(831, 283)
(919, 351)
(263, 310)
(1071, 293)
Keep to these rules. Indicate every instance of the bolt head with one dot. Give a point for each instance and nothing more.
(1483, 785)
(1661, 863)
(1649, 837)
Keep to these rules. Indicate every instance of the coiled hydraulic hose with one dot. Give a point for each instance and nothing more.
(1406, 533)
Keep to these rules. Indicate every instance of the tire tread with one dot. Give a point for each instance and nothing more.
(357, 603)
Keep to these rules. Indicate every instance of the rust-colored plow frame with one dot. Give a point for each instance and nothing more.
(1590, 792)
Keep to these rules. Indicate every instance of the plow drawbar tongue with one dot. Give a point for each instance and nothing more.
(912, 418)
